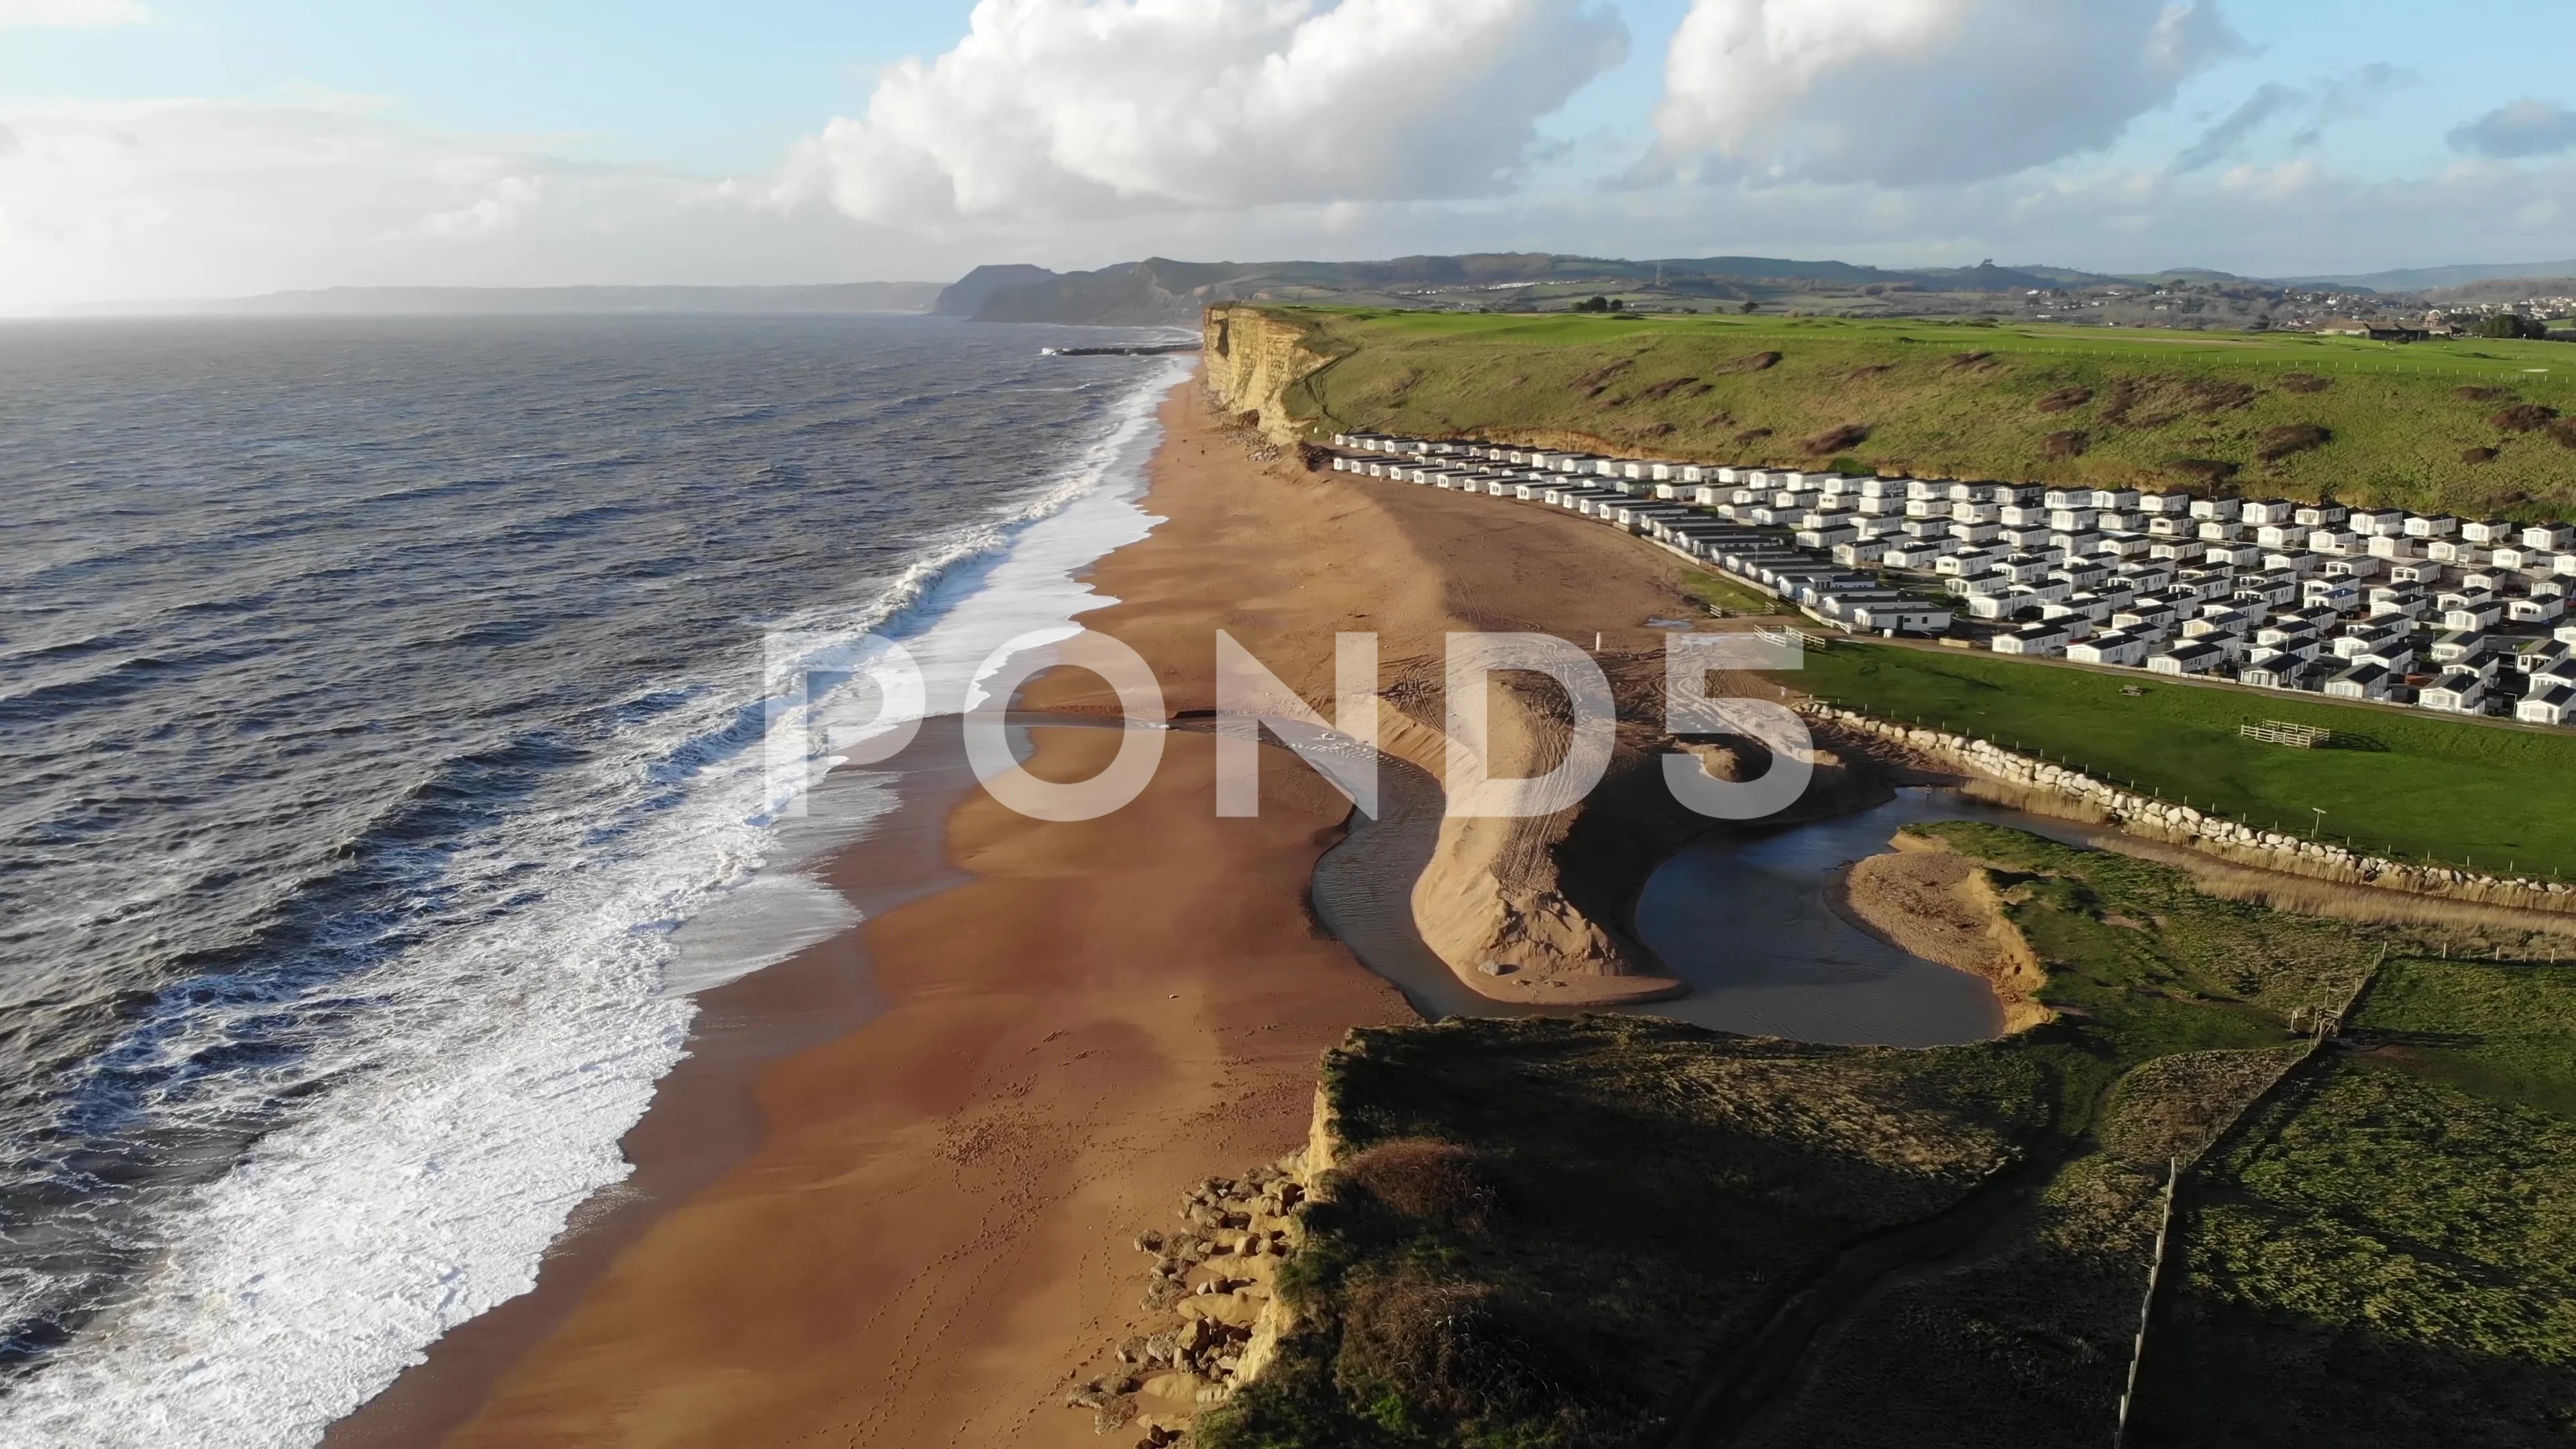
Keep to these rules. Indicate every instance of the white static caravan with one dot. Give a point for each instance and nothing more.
(1902, 616)
(2044, 640)
(2455, 694)
(2365, 680)
(2195, 657)
(2551, 704)
(2122, 649)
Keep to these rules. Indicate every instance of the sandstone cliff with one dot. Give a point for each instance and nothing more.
(1256, 362)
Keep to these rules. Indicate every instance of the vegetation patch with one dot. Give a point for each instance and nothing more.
(1598, 380)
(2385, 1257)
(1659, 391)
(1835, 440)
(2281, 442)
(2068, 444)
(1550, 1232)
(2398, 429)
(1579, 1212)
(2207, 472)
(2524, 418)
(2454, 790)
(1726, 595)
(2304, 382)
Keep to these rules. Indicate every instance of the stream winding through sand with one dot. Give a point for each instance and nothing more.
(1743, 918)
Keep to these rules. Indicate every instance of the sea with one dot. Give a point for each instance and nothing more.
(382, 704)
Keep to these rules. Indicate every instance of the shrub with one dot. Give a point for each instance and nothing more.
(2066, 399)
(2281, 442)
(1438, 1182)
(2068, 444)
(2524, 418)
(1835, 440)
(2304, 382)
(1453, 1351)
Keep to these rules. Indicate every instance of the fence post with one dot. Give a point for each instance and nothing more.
(2147, 1304)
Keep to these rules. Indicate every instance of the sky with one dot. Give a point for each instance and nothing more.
(193, 148)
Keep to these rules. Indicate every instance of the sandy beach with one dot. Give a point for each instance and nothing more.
(889, 1200)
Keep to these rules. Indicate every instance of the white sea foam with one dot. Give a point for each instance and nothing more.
(484, 1100)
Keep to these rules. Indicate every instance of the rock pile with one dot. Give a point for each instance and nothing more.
(1215, 1274)
(2182, 825)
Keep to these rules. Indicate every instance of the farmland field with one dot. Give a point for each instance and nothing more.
(2428, 425)
(2407, 783)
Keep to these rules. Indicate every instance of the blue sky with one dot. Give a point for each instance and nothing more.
(193, 147)
(725, 88)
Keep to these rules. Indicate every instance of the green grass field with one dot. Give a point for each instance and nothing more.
(2388, 1255)
(2414, 785)
(2021, 402)
(1720, 592)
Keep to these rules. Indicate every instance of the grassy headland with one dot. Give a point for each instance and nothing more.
(1558, 1232)
(2402, 782)
(2429, 425)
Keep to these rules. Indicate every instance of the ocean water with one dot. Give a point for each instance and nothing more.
(382, 719)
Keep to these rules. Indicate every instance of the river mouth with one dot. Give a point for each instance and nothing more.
(1747, 920)
(1750, 923)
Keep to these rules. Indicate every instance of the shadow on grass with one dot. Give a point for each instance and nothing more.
(2225, 1375)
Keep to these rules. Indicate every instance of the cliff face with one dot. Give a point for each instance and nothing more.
(1255, 361)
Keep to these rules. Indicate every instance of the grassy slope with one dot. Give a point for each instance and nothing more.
(2399, 430)
(2458, 790)
(2389, 1256)
(1660, 1186)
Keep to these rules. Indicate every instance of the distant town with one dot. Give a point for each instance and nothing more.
(2462, 616)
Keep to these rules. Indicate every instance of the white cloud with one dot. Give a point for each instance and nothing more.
(2527, 127)
(1916, 92)
(71, 14)
(196, 197)
(1100, 107)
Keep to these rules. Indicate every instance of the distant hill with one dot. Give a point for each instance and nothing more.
(967, 295)
(503, 301)
(2504, 290)
(1161, 291)
(2424, 279)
